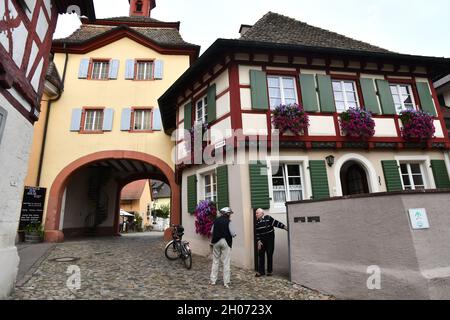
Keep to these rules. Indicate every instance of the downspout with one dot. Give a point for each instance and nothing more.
(47, 117)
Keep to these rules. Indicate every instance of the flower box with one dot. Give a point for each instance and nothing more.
(357, 124)
(418, 126)
(290, 119)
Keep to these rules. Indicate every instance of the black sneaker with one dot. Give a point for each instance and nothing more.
(257, 275)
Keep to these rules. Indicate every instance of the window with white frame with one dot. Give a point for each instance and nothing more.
(100, 70)
(412, 176)
(282, 90)
(201, 108)
(345, 95)
(93, 120)
(287, 183)
(144, 70)
(142, 120)
(403, 97)
(210, 183)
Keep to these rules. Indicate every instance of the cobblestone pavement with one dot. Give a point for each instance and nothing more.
(135, 268)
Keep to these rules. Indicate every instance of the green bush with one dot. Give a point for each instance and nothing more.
(35, 228)
(162, 212)
(138, 222)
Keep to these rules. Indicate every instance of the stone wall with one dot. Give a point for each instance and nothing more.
(355, 235)
(14, 153)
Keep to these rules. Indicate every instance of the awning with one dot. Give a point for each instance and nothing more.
(124, 213)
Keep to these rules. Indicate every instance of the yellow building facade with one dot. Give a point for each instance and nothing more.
(105, 131)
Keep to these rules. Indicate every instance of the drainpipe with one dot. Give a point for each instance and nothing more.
(47, 117)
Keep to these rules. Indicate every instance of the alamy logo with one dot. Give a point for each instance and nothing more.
(74, 280)
(374, 281)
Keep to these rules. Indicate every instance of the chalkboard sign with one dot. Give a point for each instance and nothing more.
(32, 206)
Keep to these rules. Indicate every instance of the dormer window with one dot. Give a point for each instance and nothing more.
(139, 6)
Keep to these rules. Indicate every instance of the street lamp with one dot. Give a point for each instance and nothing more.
(330, 160)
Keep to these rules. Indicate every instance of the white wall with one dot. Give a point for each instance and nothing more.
(76, 205)
(14, 152)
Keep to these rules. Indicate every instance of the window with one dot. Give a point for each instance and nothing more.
(210, 186)
(144, 70)
(403, 97)
(100, 70)
(281, 91)
(345, 95)
(202, 110)
(412, 176)
(142, 120)
(3, 114)
(93, 120)
(139, 6)
(287, 183)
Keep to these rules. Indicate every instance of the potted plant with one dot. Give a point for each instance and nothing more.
(34, 233)
(418, 125)
(290, 118)
(357, 123)
(205, 214)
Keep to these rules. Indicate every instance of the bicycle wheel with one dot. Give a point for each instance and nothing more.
(171, 251)
(187, 257)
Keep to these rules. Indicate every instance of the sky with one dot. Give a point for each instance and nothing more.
(407, 26)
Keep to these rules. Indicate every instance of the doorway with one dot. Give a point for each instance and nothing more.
(354, 179)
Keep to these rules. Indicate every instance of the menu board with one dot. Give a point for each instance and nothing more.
(32, 206)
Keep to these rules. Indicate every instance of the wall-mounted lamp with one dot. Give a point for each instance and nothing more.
(330, 160)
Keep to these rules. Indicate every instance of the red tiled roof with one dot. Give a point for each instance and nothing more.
(133, 191)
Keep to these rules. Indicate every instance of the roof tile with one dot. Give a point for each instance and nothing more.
(276, 28)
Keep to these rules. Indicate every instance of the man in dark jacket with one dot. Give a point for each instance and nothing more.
(222, 240)
(265, 237)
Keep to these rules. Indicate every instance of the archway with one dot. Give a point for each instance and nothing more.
(364, 163)
(353, 179)
(130, 166)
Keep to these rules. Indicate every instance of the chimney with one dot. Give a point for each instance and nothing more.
(141, 8)
(244, 28)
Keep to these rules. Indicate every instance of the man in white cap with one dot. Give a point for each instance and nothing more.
(222, 240)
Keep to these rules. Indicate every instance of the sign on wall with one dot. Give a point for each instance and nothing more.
(32, 206)
(419, 219)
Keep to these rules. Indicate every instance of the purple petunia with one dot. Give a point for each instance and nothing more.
(357, 123)
(417, 125)
(205, 214)
(290, 117)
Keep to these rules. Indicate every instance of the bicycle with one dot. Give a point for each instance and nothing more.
(178, 248)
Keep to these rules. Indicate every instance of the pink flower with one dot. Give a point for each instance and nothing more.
(357, 123)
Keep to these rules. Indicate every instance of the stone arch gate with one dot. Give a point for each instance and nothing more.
(121, 167)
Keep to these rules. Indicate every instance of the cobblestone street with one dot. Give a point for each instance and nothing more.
(134, 267)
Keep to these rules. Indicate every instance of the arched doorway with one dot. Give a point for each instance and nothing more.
(113, 170)
(354, 179)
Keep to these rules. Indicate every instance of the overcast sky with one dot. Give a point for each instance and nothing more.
(408, 26)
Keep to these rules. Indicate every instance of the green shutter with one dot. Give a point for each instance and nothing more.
(426, 100)
(369, 95)
(392, 176)
(440, 174)
(223, 199)
(188, 116)
(259, 187)
(309, 95)
(326, 96)
(319, 179)
(384, 92)
(211, 99)
(258, 83)
(192, 193)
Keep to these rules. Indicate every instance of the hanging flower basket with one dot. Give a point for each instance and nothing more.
(417, 125)
(205, 214)
(357, 123)
(291, 118)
